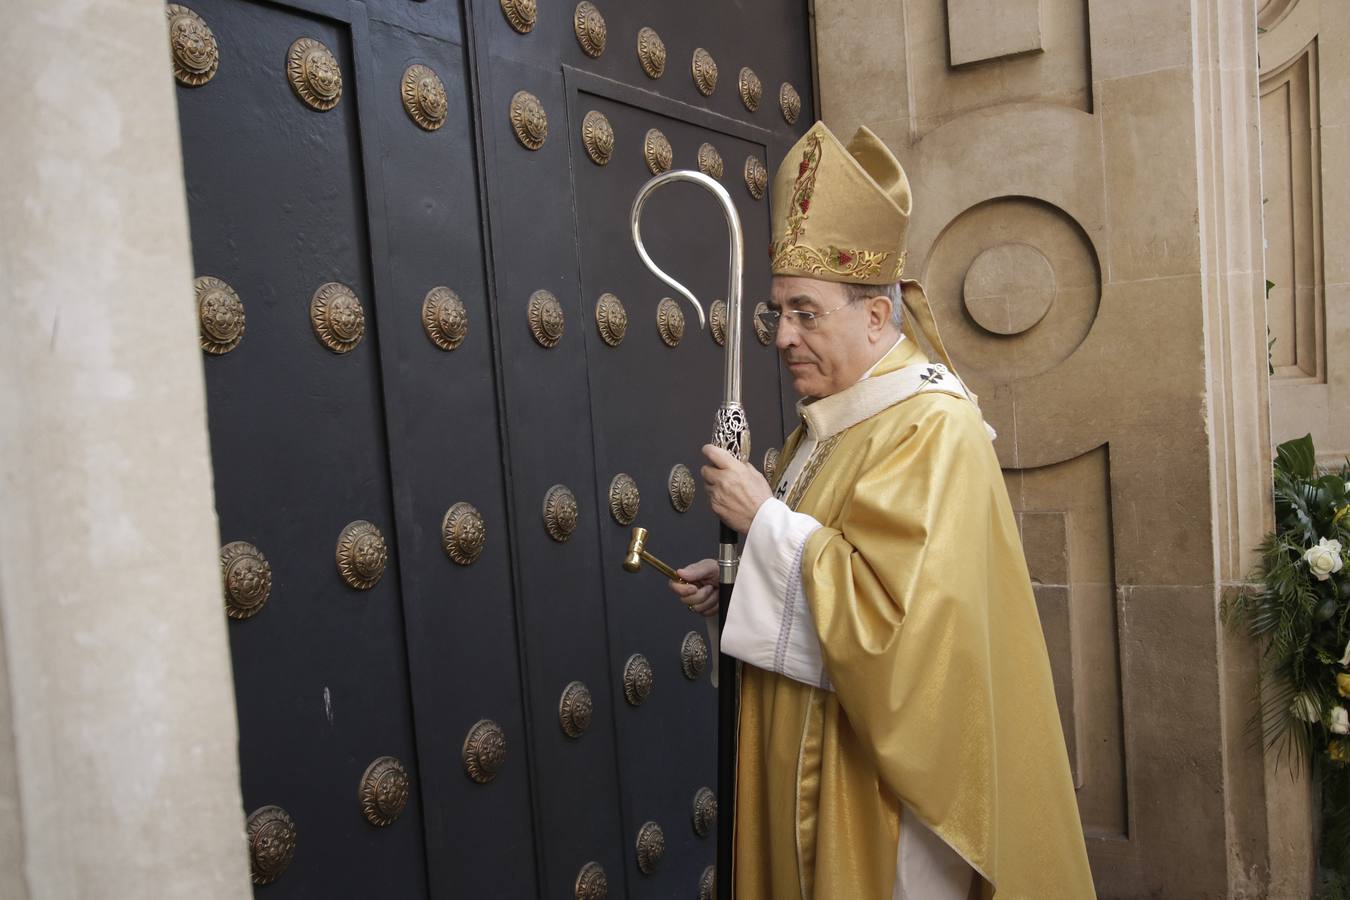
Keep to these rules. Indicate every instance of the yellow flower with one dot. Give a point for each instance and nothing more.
(1343, 684)
(1339, 751)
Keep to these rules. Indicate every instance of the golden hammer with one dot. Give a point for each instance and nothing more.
(637, 552)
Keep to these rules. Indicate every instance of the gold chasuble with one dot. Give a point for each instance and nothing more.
(895, 683)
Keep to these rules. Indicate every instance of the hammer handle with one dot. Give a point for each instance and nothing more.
(660, 566)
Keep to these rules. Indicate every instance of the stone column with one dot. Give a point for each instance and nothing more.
(1087, 220)
(118, 760)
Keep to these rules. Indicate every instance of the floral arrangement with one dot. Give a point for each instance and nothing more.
(1297, 604)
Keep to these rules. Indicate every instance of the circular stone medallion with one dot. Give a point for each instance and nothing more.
(680, 484)
(790, 102)
(271, 843)
(590, 28)
(424, 97)
(361, 555)
(545, 315)
(710, 161)
(761, 330)
(560, 512)
(670, 321)
(752, 89)
(717, 322)
(611, 319)
(624, 499)
(705, 811)
(707, 884)
(338, 320)
(651, 846)
(637, 680)
(575, 709)
(705, 72)
(484, 751)
(1009, 288)
(756, 177)
(247, 577)
(651, 52)
(528, 120)
(220, 315)
(597, 135)
(444, 318)
(196, 55)
(314, 74)
(384, 791)
(656, 150)
(463, 533)
(693, 655)
(592, 883)
(522, 14)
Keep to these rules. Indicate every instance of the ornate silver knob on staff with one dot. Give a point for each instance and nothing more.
(731, 432)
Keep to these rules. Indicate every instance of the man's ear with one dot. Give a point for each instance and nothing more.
(878, 315)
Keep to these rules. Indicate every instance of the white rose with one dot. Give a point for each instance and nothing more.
(1340, 720)
(1305, 707)
(1324, 559)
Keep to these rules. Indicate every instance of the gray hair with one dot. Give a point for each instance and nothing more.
(889, 291)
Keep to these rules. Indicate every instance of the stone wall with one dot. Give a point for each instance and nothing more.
(1087, 221)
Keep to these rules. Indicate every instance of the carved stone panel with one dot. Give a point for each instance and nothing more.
(271, 843)
(361, 555)
(247, 577)
(196, 55)
(384, 791)
(314, 74)
(484, 751)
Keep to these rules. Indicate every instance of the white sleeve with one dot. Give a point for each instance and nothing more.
(768, 620)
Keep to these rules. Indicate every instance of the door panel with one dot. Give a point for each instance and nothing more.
(284, 198)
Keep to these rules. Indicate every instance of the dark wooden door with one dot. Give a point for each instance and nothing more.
(474, 669)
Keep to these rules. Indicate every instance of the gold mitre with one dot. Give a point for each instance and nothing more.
(840, 213)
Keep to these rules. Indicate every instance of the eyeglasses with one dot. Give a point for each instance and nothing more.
(802, 318)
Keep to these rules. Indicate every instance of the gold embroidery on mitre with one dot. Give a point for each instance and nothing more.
(855, 264)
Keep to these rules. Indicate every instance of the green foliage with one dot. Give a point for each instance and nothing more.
(1303, 625)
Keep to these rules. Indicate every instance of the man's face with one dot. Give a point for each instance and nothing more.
(842, 346)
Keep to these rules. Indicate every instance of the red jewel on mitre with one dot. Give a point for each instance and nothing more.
(845, 257)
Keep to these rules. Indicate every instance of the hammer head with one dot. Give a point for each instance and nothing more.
(633, 561)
